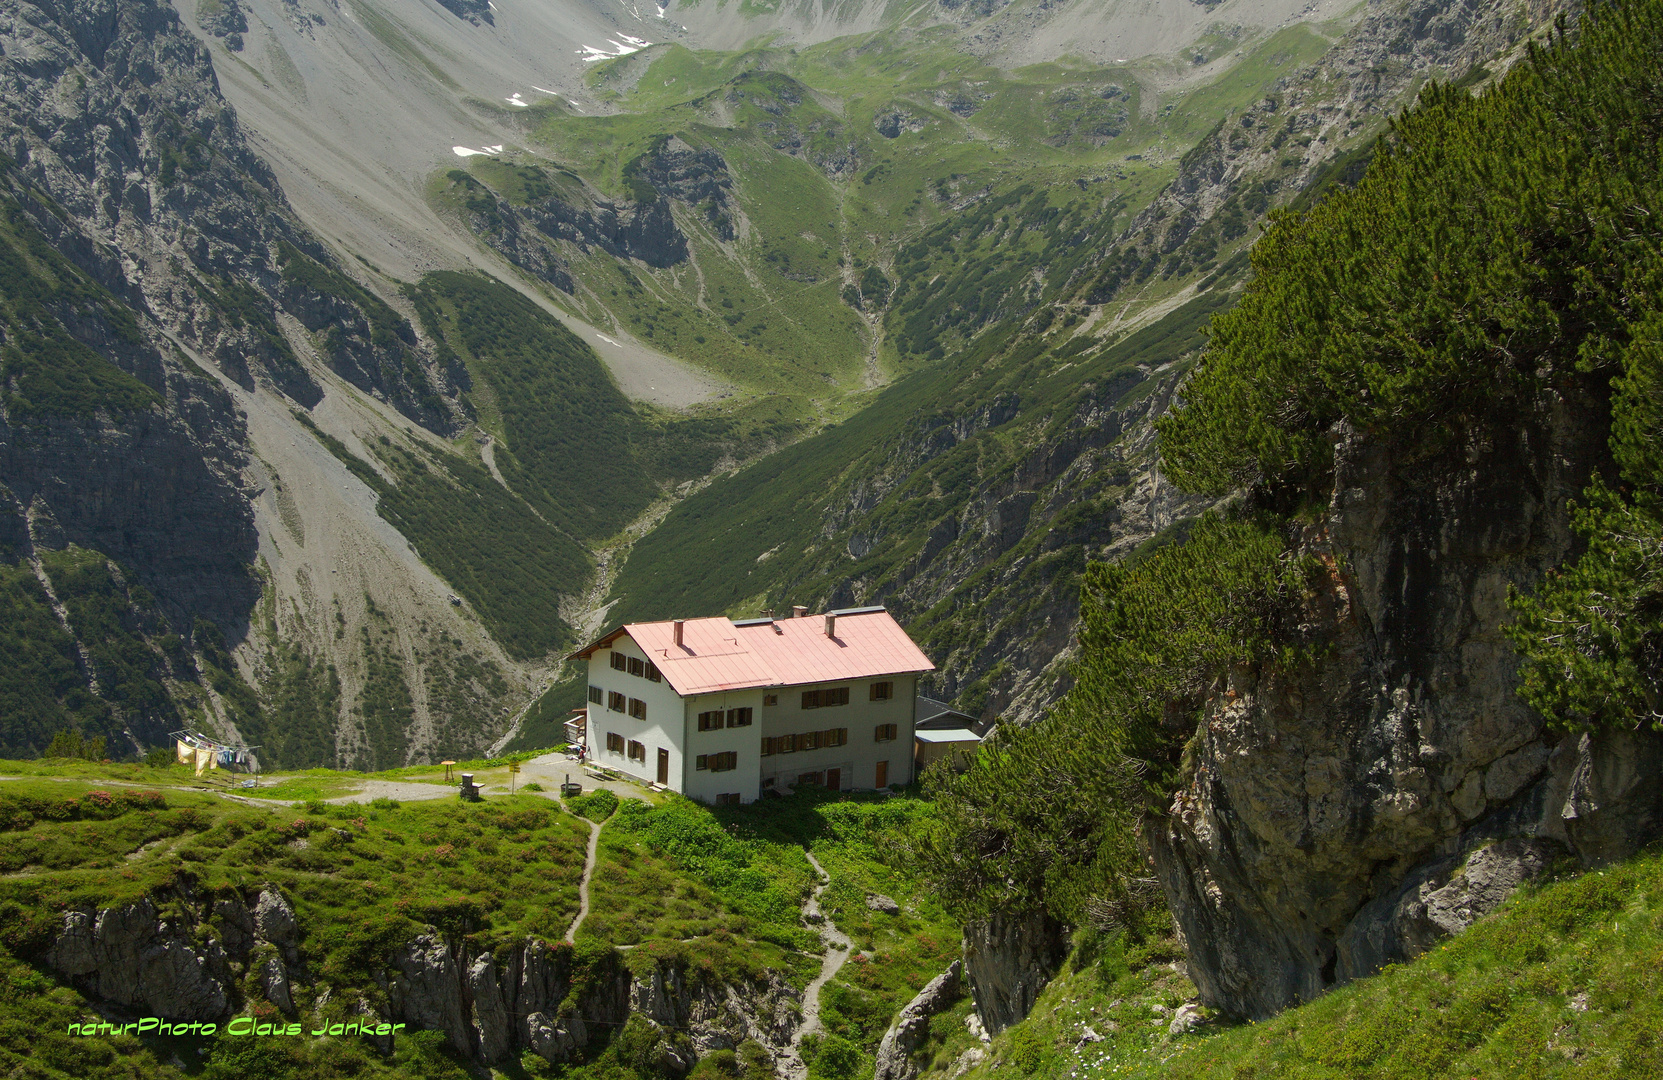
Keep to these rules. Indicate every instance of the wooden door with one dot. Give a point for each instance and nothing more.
(834, 779)
(883, 775)
(663, 766)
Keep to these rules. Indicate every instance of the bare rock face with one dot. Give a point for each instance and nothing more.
(492, 1010)
(131, 957)
(274, 983)
(492, 1031)
(274, 921)
(894, 1061)
(1349, 813)
(1007, 961)
(427, 992)
(127, 956)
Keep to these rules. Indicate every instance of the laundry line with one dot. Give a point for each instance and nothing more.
(195, 748)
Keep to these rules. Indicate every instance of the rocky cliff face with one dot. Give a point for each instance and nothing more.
(113, 112)
(1086, 482)
(1302, 131)
(158, 291)
(136, 957)
(206, 957)
(1007, 962)
(1348, 813)
(540, 232)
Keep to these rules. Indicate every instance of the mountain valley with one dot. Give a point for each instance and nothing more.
(1250, 408)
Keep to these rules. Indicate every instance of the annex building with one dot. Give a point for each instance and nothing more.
(723, 711)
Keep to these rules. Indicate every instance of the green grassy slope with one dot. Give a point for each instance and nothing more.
(1564, 980)
(718, 891)
(868, 170)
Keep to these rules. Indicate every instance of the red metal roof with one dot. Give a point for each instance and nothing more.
(716, 655)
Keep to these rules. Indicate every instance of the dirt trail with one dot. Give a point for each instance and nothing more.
(583, 886)
(837, 944)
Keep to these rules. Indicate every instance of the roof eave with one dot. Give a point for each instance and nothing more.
(601, 642)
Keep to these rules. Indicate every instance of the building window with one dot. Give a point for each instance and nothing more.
(811, 699)
(699, 762)
(834, 737)
(653, 674)
(808, 740)
(816, 779)
(710, 721)
(882, 691)
(614, 742)
(595, 697)
(730, 798)
(637, 751)
(770, 700)
(820, 699)
(615, 701)
(726, 762)
(637, 708)
(768, 747)
(739, 717)
(618, 661)
(885, 733)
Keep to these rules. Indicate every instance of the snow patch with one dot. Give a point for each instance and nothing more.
(468, 151)
(622, 45)
(609, 341)
(515, 100)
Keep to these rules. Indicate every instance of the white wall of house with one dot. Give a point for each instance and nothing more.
(857, 760)
(672, 726)
(663, 729)
(745, 742)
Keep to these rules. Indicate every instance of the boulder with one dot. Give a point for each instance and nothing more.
(894, 1060)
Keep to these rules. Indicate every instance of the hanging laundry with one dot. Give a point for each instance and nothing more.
(202, 758)
(186, 754)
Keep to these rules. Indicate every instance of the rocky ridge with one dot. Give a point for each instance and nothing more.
(1347, 813)
(197, 957)
(160, 253)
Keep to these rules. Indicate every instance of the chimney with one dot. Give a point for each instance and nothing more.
(677, 625)
(831, 624)
(798, 611)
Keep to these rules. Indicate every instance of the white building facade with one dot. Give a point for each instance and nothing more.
(723, 711)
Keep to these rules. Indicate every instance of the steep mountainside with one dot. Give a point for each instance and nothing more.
(1409, 662)
(975, 490)
(177, 343)
(367, 489)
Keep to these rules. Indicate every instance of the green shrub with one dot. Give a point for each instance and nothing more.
(836, 1058)
(1027, 1049)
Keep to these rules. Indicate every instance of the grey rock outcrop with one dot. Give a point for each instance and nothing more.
(427, 992)
(274, 921)
(274, 984)
(1008, 959)
(128, 956)
(1348, 813)
(1442, 898)
(491, 1010)
(132, 957)
(894, 1058)
(492, 1031)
